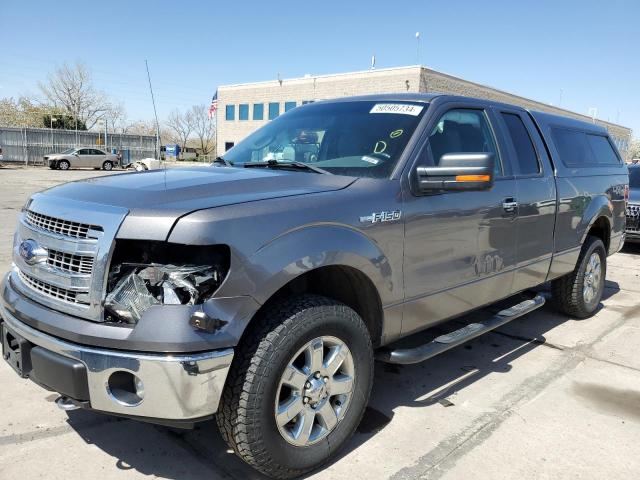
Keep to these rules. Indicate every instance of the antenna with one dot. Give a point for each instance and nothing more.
(373, 62)
(418, 48)
(155, 113)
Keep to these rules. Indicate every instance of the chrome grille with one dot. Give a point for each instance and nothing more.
(78, 238)
(633, 218)
(49, 290)
(60, 226)
(70, 262)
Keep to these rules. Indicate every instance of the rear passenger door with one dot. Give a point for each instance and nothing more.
(535, 197)
(460, 247)
(98, 158)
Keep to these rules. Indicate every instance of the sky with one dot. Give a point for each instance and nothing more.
(576, 54)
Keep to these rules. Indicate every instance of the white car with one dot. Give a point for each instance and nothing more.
(82, 157)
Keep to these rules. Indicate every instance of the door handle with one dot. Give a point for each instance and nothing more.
(509, 205)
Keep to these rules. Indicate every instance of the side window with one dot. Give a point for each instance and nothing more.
(602, 150)
(572, 147)
(462, 131)
(84, 151)
(230, 112)
(243, 111)
(97, 152)
(274, 110)
(258, 111)
(527, 159)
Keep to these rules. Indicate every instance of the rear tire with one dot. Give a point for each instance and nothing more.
(250, 418)
(64, 165)
(578, 294)
(108, 166)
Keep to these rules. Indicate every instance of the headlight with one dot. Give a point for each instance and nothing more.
(133, 287)
(27, 204)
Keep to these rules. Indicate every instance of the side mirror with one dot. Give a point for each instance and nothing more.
(458, 172)
(76, 154)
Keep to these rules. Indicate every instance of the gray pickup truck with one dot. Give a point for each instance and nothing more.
(261, 288)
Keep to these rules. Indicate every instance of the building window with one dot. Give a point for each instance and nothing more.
(228, 146)
(258, 111)
(274, 110)
(230, 112)
(243, 111)
(289, 105)
(304, 102)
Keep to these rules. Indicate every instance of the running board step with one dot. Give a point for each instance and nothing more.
(458, 337)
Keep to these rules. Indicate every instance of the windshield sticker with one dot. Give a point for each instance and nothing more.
(380, 147)
(396, 133)
(375, 161)
(401, 108)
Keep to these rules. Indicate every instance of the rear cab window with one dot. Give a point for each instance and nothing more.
(577, 148)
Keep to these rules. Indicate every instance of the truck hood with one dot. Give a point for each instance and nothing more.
(157, 198)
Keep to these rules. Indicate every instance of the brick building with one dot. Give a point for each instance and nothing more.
(244, 107)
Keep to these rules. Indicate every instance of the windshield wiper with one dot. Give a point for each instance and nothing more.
(287, 164)
(223, 161)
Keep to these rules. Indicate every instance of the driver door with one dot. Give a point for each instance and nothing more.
(83, 158)
(460, 246)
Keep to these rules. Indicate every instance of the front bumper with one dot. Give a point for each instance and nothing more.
(632, 236)
(177, 387)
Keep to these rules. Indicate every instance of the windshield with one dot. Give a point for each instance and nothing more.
(363, 139)
(67, 152)
(634, 177)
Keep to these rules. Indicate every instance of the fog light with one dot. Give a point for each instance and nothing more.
(139, 387)
(125, 388)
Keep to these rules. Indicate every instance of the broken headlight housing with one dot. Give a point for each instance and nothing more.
(144, 274)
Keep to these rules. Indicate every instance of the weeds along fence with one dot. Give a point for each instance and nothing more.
(29, 145)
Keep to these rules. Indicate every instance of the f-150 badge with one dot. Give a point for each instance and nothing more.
(376, 217)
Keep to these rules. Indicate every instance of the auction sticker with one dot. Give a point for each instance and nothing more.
(401, 108)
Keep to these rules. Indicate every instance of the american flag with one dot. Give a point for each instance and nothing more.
(214, 105)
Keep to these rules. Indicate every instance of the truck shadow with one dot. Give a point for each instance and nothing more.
(201, 453)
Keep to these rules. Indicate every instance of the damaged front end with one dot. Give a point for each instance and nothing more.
(144, 274)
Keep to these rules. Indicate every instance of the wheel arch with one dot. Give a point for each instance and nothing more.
(342, 283)
(600, 227)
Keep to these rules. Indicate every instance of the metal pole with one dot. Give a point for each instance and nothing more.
(153, 101)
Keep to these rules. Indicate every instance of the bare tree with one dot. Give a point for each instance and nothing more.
(70, 88)
(181, 126)
(204, 128)
(634, 149)
(24, 112)
(116, 118)
(141, 127)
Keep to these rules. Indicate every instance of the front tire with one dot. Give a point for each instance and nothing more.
(578, 294)
(306, 359)
(64, 165)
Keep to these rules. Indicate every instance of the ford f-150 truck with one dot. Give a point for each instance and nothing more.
(261, 288)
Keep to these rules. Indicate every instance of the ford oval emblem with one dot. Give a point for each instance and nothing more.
(31, 252)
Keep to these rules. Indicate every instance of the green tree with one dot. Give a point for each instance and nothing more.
(62, 121)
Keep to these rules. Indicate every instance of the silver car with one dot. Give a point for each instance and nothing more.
(83, 157)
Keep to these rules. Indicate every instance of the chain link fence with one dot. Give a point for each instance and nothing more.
(29, 145)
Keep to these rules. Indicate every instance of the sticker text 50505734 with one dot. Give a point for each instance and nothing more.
(401, 108)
